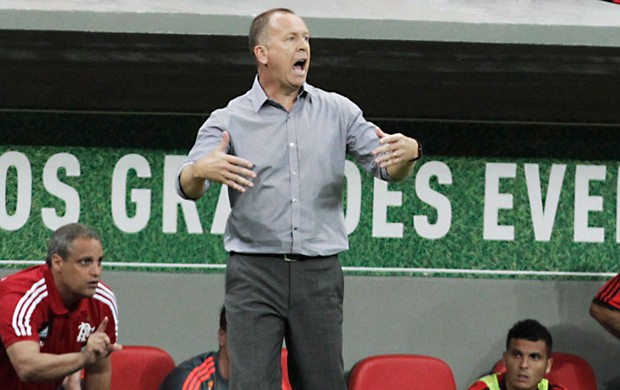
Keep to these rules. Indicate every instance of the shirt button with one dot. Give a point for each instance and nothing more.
(292, 144)
(294, 200)
(293, 172)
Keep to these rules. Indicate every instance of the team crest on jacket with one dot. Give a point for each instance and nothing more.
(84, 330)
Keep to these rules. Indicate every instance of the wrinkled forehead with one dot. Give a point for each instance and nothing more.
(82, 245)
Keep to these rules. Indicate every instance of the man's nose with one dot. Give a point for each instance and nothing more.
(96, 269)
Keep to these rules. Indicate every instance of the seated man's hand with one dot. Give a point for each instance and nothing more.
(99, 345)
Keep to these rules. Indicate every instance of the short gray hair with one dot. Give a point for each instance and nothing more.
(61, 240)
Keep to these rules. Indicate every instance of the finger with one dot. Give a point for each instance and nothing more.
(242, 171)
(379, 132)
(231, 184)
(115, 347)
(102, 326)
(389, 162)
(100, 339)
(237, 182)
(98, 345)
(105, 348)
(387, 138)
(233, 171)
(241, 162)
(382, 150)
(246, 173)
(223, 146)
(238, 173)
(242, 181)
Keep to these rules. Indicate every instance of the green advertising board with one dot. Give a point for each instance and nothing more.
(455, 215)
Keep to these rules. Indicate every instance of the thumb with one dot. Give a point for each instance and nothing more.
(223, 146)
(379, 132)
(103, 325)
(116, 347)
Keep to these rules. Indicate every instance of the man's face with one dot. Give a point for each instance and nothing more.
(288, 50)
(526, 364)
(78, 275)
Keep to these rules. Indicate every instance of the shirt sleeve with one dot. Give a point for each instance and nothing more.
(175, 379)
(197, 373)
(609, 295)
(362, 139)
(106, 297)
(209, 137)
(16, 323)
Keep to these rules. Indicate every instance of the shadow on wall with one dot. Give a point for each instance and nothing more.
(612, 384)
(600, 351)
(580, 334)
(495, 349)
(486, 364)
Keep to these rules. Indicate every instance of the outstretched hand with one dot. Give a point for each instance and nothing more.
(219, 166)
(395, 149)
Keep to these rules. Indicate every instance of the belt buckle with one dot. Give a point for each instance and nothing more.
(286, 258)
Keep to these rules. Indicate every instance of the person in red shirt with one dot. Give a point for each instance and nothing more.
(208, 370)
(605, 307)
(59, 317)
(527, 359)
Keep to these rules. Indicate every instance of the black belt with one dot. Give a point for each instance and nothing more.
(284, 256)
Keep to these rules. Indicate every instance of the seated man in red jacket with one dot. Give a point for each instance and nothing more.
(58, 318)
(209, 370)
(527, 359)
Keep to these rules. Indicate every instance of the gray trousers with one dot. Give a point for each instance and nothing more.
(269, 300)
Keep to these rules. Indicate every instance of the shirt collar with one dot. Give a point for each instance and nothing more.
(52, 292)
(259, 97)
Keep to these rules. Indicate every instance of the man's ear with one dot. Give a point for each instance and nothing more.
(56, 261)
(549, 364)
(260, 52)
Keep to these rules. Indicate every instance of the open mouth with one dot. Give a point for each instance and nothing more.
(523, 377)
(300, 66)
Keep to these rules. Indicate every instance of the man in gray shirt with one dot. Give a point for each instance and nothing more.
(281, 150)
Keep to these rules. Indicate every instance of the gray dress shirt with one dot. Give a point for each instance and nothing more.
(296, 204)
